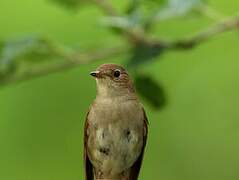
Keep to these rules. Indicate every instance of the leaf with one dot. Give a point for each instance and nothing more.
(130, 21)
(175, 8)
(144, 4)
(133, 6)
(27, 48)
(20, 55)
(119, 23)
(11, 69)
(143, 53)
(148, 88)
(10, 72)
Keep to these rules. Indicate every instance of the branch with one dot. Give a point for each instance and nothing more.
(72, 61)
(210, 32)
(75, 59)
(136, 37)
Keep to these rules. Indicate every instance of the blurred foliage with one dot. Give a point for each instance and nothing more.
(20, 56)
(149, 88)
(138, 17)
(119, 24)
(144, 53)
(175, 8)
(32, 48)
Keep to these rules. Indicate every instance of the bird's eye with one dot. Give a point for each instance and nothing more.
(116, 73)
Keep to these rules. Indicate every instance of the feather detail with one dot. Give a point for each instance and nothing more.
(89, 174)
(135, 169)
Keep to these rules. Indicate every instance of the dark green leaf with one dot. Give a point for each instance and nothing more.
(133, 6)
(143, 53)
(151, 90)
(7, 74)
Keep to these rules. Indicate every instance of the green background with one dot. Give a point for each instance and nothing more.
(194, 137)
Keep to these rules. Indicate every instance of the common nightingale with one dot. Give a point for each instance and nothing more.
(115, 128)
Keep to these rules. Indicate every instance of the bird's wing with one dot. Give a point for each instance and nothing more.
(134, 171)
(89, 174)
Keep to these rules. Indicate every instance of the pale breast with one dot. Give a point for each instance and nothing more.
(115, 135)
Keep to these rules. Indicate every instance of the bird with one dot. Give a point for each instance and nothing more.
(116, 127)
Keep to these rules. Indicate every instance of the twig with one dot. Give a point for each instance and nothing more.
(71, 62)
(136, 37)
(210, 32)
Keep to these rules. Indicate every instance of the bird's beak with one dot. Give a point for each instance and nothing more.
(95, 74)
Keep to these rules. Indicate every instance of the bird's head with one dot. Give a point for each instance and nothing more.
(112, 80)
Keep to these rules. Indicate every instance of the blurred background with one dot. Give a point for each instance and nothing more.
(194, 118)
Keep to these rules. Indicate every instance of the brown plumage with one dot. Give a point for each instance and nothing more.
(116, 130)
